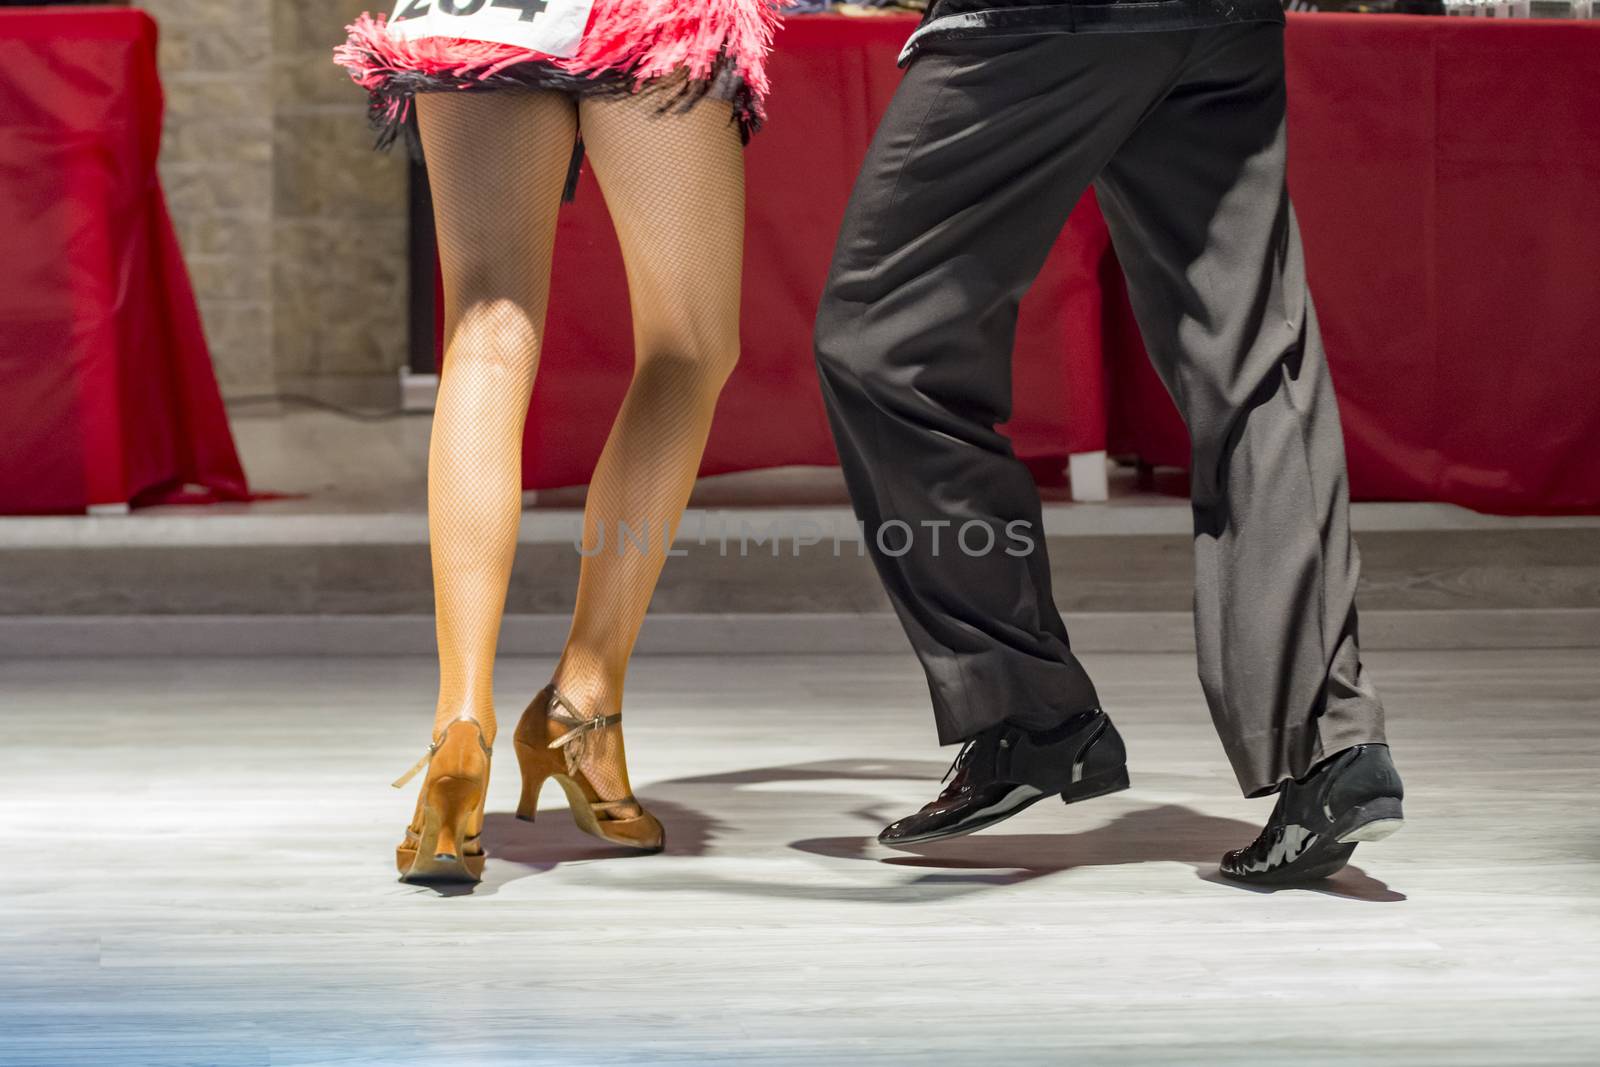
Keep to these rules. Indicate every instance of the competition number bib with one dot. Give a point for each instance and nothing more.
(554, 27)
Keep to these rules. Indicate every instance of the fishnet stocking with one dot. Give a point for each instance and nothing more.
(674, 184)
(497, 162)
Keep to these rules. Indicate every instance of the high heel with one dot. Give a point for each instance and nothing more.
(443, 844)
(551, 742)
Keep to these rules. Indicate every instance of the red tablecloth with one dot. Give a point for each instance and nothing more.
(1446, 173)
(832, 79)
(1447, 178)
(107, 394)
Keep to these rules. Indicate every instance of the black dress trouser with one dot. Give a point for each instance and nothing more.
(987, 146)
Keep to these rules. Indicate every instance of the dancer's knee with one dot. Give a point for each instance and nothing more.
(495, 336)
(702, 353)
(831, 336)
(849, 355)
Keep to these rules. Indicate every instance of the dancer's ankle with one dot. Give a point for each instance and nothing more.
(446, 714)
(589, 695)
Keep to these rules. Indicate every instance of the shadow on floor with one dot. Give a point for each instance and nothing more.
(519, 849)
(753, 803)
(1164, 833)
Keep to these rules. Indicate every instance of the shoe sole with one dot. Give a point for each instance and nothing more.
(584, 816)
(1372, 821)
(1019, 800)
(1376, 830)
(442, 868)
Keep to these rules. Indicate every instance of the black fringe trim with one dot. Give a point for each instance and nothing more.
(390, 110)
(569, 191)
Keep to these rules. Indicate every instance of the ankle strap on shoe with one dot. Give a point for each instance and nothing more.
(579, 726)
(567, 714)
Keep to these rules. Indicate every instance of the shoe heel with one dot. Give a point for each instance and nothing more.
(442, 852)
(532, 762)
(1102, 784)
(1372, 821)
(449, 809)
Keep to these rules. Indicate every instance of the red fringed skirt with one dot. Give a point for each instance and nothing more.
(690, 48)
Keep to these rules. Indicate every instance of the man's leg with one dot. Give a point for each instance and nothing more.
(983, 153)
(1200, 217)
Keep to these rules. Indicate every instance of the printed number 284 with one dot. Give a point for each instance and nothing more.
(527, 10)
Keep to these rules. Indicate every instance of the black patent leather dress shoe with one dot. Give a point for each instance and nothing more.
(1006, 768)
(1348, 798)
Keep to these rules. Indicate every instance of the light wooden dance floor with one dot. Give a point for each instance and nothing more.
(198, 871)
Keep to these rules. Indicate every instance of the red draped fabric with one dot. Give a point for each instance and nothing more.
(1445, 173)
(107, 394)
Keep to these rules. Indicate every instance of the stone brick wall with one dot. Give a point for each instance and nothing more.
(294, 229)
(339, 210)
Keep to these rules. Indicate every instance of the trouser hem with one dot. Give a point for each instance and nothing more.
(1298, 753)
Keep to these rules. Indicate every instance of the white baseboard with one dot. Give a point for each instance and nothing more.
(1090, 477)
(418, 392)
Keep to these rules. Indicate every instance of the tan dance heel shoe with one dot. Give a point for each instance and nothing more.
(442, 843)
(551, 742)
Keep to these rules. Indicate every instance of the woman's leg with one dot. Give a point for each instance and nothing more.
(674, 184)
(496, 161)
